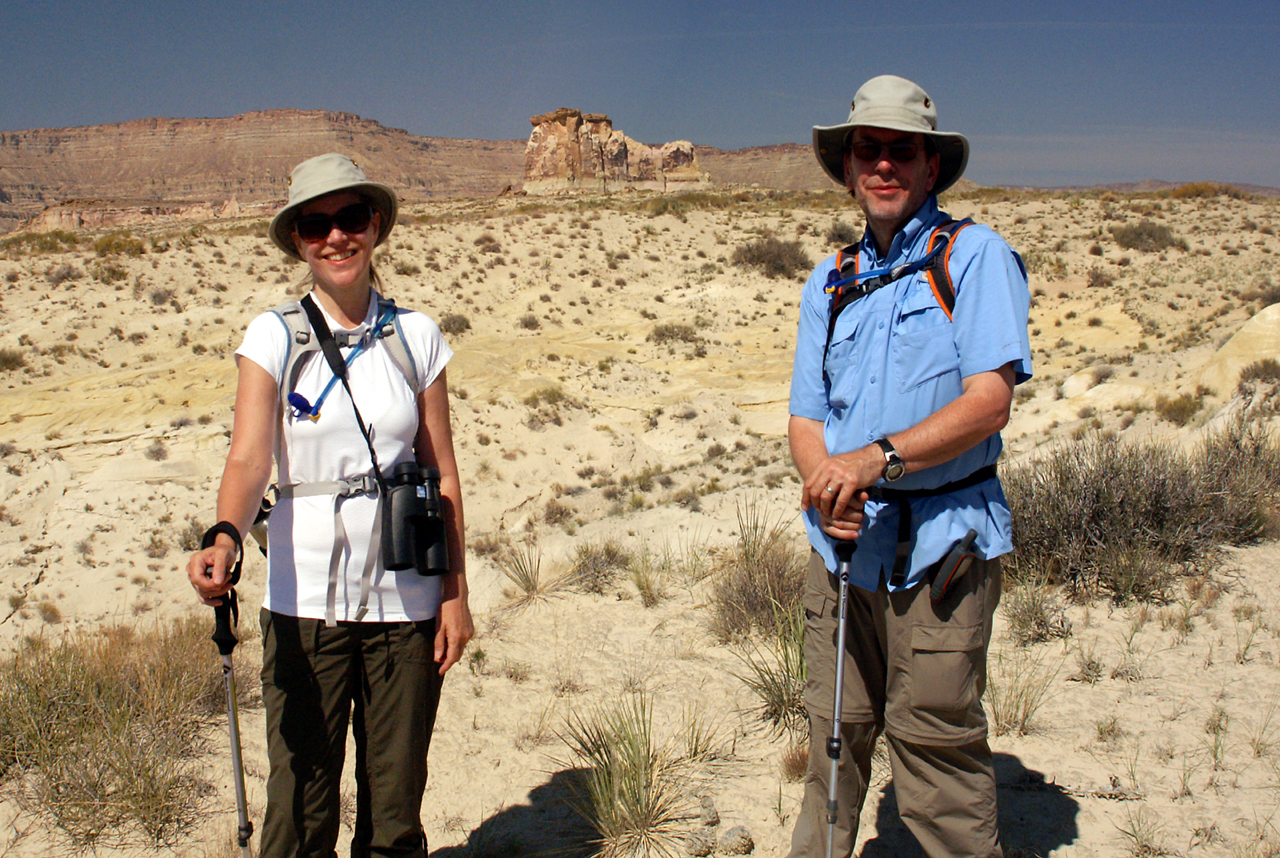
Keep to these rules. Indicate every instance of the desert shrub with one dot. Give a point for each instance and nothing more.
(841, 233)
(1147, 236)
(11, 359)
(119, 243)
(157, 452)
(762, 575)
(1106, 517)
(1099, 278)
(59, 274)
(597, 565)
(773, 257)
(529, 322)
(107, 728)
(1180, 409)
(1266, 371)
(672, 332)
(454, 324)
(54, 241)
(1032, 613)
(1202, 190)
(631, 791)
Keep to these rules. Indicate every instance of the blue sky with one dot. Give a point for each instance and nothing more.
(1048, 93)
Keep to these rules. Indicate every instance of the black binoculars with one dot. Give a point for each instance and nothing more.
(413, 531)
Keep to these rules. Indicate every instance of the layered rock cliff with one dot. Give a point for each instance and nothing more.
(569, 150)
(246, 157)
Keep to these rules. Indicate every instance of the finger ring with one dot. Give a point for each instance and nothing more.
(831, 489)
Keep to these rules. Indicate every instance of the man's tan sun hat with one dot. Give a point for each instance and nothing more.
(889, 101)
(328, 174)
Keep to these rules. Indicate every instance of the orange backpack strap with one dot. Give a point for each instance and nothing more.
(939, 270)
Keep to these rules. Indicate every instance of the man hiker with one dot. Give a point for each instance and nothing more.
(909, 345)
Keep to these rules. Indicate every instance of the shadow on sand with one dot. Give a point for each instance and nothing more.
(1035, 817)
(547, 825)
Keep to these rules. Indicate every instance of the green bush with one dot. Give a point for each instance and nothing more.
(1110, 518)
(773, 257)
(1147, 236)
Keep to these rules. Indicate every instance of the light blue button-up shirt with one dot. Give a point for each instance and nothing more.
(894, 360)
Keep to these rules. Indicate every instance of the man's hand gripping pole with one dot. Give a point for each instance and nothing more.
(844, 554)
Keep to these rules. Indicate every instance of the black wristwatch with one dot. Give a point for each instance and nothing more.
(894, 467)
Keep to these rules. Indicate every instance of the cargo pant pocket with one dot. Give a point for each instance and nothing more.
(945, 666)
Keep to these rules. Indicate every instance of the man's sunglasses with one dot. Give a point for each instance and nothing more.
(351, 219)
(871, 151)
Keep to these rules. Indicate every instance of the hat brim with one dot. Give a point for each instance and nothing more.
(829, 141)
(381, 197)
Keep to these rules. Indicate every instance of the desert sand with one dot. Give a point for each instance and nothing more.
(116, 427)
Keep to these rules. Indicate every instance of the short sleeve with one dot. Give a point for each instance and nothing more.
(266, 342)
(992, 305)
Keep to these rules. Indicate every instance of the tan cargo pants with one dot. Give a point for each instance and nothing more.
(917, 672)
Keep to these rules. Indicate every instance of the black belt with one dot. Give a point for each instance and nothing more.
(902, 497)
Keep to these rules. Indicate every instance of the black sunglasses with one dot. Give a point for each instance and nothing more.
(871, 151)
(351, 219)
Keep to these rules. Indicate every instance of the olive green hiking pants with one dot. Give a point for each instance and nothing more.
(380, 677)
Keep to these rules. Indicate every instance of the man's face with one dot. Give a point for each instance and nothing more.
(888, 187)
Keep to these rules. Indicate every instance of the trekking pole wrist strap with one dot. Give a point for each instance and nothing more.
(211, 536)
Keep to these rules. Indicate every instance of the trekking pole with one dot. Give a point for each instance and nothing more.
(225, 617)
(844, 553)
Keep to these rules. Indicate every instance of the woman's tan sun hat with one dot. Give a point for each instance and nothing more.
(892, 102)
(329, 174)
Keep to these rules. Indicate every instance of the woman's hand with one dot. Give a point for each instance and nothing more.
(209, 570)
(453, 630)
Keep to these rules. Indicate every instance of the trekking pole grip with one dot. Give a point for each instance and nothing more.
(845, 549)
(224, 620)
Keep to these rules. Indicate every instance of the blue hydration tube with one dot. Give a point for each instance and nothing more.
(302, 408)
(897, 272)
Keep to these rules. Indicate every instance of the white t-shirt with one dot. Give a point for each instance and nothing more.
(301, 531)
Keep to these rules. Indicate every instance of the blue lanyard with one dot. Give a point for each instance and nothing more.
(302, 408)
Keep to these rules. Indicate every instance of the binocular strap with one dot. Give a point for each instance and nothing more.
(341, 489)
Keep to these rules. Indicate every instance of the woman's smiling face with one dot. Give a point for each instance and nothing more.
(340, 259)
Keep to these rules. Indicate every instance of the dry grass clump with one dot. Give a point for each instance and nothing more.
(773, 257)
(756, 579)
(1016, 689)
(597, 565)
(776, 674)
(1105, 517)
(100, 731)
(631, 791)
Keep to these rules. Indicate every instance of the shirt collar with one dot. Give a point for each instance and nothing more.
(905, 240)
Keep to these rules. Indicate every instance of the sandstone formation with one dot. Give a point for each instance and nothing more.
(177, 162)
(569, 150)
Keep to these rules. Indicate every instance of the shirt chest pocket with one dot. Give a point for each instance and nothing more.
(924, 347)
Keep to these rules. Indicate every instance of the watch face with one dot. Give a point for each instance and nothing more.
(894, 470)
